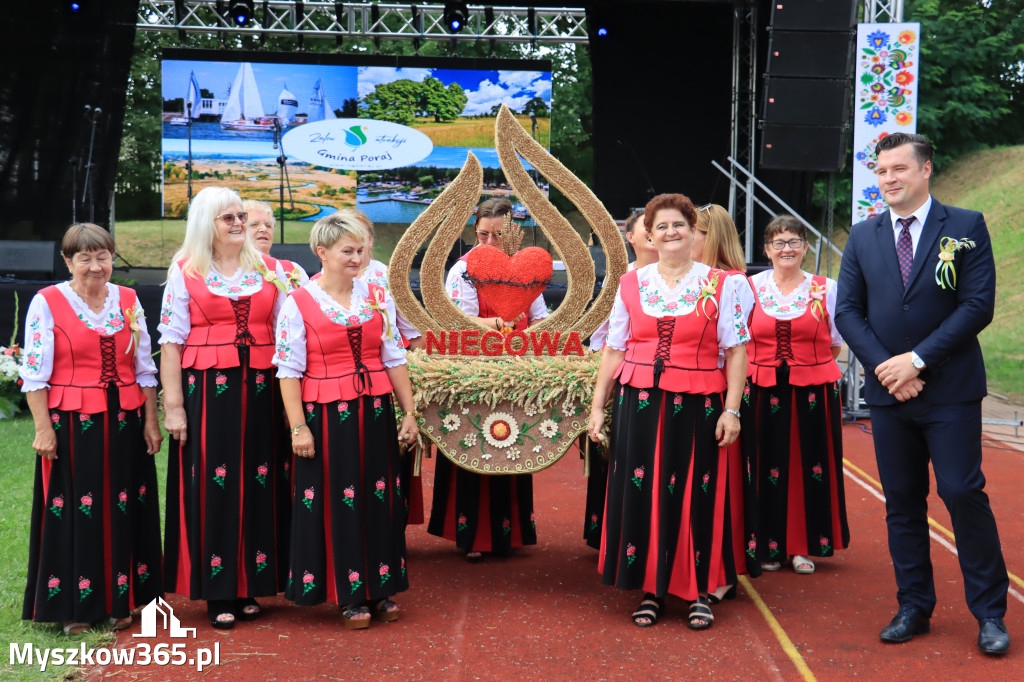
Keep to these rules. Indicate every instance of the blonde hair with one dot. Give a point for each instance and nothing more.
(252, 205)
(197, 249)
(86, 237)
(722, 247)
(352, 212)
(328, 230)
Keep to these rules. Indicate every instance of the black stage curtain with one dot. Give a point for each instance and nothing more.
(63, 72)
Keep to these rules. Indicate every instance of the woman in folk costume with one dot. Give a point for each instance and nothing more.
(717, 243)
(90, 382)
(597, 483)
(483, 513)
(223, 499)
(667, 520)
(793, 452)
(339, 356)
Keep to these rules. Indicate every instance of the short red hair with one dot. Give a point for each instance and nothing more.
(679, 202)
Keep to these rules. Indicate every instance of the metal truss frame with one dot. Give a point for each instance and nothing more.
(743, 145)
(883, 11)
(369, 20)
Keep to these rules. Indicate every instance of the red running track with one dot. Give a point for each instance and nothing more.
(543, 614)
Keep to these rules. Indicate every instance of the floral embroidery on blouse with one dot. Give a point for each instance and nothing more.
(769, 302)
(34, 352)
(669, 304)
(251, 283)
(284, 351)
(166, 311)
(376, 273)
(113, 323)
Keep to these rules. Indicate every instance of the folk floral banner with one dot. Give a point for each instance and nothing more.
(885, 102)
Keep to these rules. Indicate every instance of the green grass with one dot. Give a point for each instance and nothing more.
(18, 461)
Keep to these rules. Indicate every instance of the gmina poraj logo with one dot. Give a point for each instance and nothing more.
(354, 136)
(170, 622)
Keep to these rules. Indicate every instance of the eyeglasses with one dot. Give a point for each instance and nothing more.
(230, 218)
(779, 244)
(488, 235)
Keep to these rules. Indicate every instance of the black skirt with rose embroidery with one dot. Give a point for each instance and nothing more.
(223, 496)
(94, 544)
(667, 527)
(793, 468)
(349, 510)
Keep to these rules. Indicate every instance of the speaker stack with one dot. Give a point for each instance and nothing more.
(808, 88)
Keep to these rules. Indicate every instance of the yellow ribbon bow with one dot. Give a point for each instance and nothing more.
(133, 317)
(708, 287)
(945, 270)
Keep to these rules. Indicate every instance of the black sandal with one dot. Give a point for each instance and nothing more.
(215, 609)
(385, 611)
(355, 616)
(650, 609)
(242, 604)
(700, 611)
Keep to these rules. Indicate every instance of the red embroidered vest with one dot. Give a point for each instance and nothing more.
(673, 353)
(804, 343)
(342, 362)
(86, 362)
(220, 326)
(487, 311)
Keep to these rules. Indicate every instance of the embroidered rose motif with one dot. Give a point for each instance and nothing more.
(143, 572)
(261, 474)
(122, 421)
(638, 478)
(773, 476)
(86, 421)
(191, 383)
(773, 401)
(708, 409)
(463, 523)
(751, 546)
(142, 494)
(630, 554)
(349, 496)
(122, 584)
(261, 561)
(86, 504)
(122, 501)
(506, 526)
(642, 396)
(222, 383)
(816, 472)
(704, 481)
(773, 548)
(593, 522)
(84, 589)
(260, 382)
(354, 581)
(54, 587)
(746, 394)
(307, 582)
(309, 412)
(377, 408)
(343, 412)
(825, 546)
(55, 418)
(215, 565)
(219, 474)
(380, 486)
(384, 572)
(307, 498)
(812, 400)
(57, 505)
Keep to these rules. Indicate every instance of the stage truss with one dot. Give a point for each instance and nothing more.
(339, 20)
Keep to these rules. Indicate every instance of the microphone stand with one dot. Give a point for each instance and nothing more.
(93, 114)
(282, 161)
(188, 164)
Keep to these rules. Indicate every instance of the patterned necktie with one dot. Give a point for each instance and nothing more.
(905, 249)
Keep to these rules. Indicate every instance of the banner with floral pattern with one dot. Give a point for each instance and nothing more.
(885, 102)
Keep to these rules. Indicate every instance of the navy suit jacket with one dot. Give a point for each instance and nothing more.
(879, 319)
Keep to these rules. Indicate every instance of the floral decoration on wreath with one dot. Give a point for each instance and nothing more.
(945, 270)
(500, 429)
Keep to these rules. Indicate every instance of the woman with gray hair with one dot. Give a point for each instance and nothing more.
(217, 339)
(339, 356)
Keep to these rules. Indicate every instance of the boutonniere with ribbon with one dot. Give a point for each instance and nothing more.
(294, 279)
(945, 270)
(270, 276)
(133, 316)
(817, 304)
(708, 287)
(377, 303)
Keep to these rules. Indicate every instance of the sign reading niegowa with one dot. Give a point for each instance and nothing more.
(357, 144)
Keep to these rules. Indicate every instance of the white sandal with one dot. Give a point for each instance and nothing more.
(76, 628)
(801, 564)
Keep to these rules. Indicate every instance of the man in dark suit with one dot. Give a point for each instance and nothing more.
(924, 381)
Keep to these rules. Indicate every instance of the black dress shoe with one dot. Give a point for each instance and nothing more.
(993, 637)
(909, 621)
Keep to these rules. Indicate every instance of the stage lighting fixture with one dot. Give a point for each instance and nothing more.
(75, 7)
(241, 11)
(455, 16)
(602, 31)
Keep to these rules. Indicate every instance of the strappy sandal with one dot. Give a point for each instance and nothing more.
(700, 611)
(217, 609)
(802, 565)
(648, 612)
(722, 593)
(249, 603)
(770, 565)
(385, 611)
(474, 557)
(356, 616)
(119, 623)
(76, 628)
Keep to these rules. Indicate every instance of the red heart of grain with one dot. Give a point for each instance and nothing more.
(502, 281)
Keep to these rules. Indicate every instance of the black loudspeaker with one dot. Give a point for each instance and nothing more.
(803, 147)
(814, 15)
(297, 253)
(810, 54)
(806, 101)
(28, 259)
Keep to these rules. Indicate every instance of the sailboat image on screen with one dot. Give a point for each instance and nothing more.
(286, 106)
(244, 109)
(192, 103)
(319, 108)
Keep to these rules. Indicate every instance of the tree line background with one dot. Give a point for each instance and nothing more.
(971, 91)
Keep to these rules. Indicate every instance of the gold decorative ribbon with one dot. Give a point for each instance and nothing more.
(133, 318)
(377, 303)
(817, 304)
(708, 287)
(270, 276)
(945, 270)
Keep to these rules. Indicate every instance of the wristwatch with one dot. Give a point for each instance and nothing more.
(916, 360)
